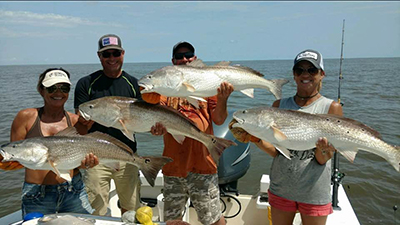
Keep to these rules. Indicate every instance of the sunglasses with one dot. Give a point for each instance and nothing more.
(187, 55)
(108, 54)
(312, 71)
(64, 88)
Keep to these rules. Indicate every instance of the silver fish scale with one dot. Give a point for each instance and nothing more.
(73, 148)
(302, 127)
(141, 117)
(206, 80)
(302, 131)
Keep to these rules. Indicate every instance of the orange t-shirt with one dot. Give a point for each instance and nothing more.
(191, 155)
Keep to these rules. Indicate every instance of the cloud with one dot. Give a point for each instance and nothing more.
(47, 20)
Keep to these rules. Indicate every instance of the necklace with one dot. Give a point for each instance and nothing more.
(306, 97)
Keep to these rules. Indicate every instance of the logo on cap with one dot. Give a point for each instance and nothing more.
(312, 55)
(56, 73)
(110, 41)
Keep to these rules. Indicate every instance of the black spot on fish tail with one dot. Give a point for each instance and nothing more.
(151, 166)
(217, 147)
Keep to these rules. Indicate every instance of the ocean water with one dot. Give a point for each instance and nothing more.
(369, 91)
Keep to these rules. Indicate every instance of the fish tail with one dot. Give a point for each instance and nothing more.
(277, 89)
(396, 163)
(151, 165)
(217, 145)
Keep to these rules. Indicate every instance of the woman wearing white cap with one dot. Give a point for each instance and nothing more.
(303, 182)
(43, 191)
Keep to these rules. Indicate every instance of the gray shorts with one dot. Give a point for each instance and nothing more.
(203, 191)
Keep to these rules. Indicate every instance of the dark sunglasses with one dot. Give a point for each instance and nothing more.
(187, 55)
(108, 54)
(312, 71)
(64, 88)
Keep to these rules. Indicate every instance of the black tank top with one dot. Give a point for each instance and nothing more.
(36, 130)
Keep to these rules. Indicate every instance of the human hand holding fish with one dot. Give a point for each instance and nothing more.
(152, 97)
(324, 150)
(89, 161)
(158, 129)
(241, 135)
(13, 165)
(224, 91)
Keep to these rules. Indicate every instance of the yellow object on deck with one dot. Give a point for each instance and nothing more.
(269, 215)
(145, 215)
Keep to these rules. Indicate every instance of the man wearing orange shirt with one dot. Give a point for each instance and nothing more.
(193, 173)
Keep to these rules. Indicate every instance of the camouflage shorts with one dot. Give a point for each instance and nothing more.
(203, 191)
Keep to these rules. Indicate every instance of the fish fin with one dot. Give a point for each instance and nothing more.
(276, 90)
(250, 70)
(151, 165)
(222, 63)
(179, 138)
(285, 152)
(126, 131)
(278, 133)
(128, 135)
(189, 87)
(193, 101)
(55, 169)
(65, 175)
(248, 92)
(107, 137)
(349, 154)
(396, 163)
(69, 131)
(216, 147)
(197, 63)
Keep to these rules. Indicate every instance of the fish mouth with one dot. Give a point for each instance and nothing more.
(6, 156)
(238, 121)
(145, 88)
(84, 115)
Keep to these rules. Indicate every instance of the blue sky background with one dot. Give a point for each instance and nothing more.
(67, 32)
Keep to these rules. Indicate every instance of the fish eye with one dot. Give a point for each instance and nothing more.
(244, 111)
(90, 106)
(149, 76)
(14, 146)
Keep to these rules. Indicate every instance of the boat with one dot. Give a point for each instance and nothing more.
(237, 208)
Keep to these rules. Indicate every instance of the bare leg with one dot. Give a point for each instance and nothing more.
(221, 221)
(123, 211)
(280, 217)
(313, 220)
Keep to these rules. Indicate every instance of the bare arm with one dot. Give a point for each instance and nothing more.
(22, 121)
(220, 113)
(18, 132)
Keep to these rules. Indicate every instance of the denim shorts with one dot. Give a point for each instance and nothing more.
(60, 198)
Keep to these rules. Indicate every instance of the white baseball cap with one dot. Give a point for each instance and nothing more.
(54, 77)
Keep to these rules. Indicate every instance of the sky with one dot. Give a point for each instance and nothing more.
(46, 32)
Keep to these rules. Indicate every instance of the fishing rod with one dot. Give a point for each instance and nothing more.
(337, 176)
